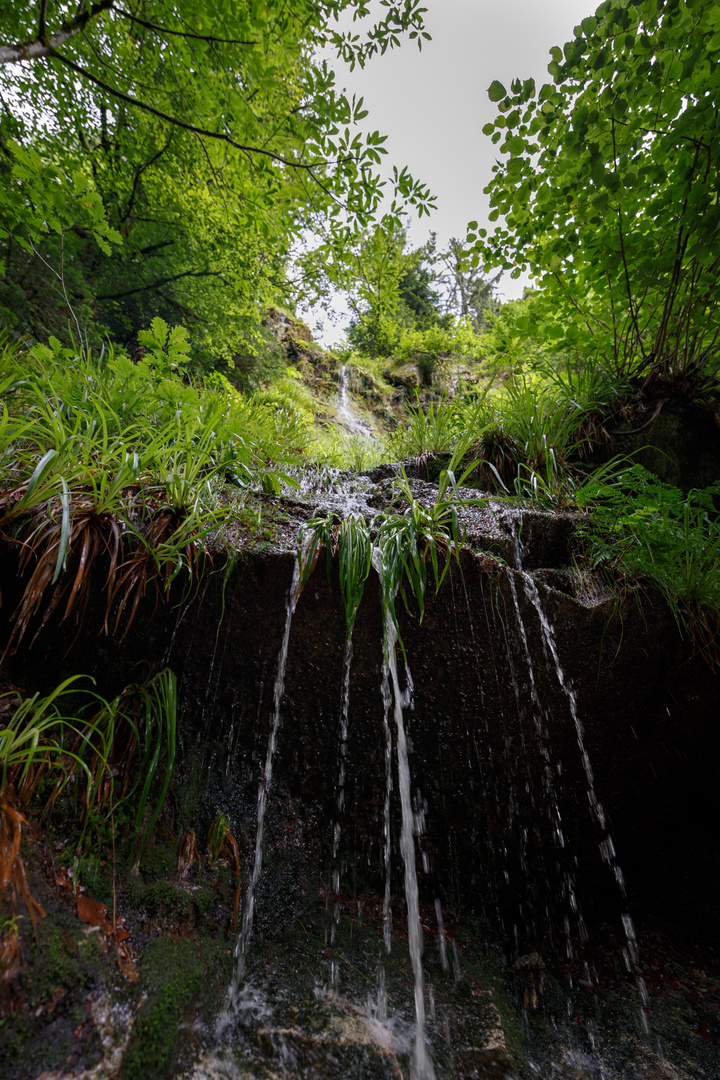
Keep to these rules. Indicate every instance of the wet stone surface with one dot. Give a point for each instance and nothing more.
(531, 880)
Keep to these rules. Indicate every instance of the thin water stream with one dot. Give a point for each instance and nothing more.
(607, 847)
(342, 752)
(423, 1067)
(347, 414)
(263, 790)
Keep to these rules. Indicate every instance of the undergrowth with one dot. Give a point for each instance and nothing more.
(124, 463)
(107, 761)
(637, 527)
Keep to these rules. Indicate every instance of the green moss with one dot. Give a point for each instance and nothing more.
(171, 972)
(54, 962)
(40, 1037)
(158, 860)
(159, 897)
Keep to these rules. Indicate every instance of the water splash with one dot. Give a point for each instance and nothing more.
(264, 788)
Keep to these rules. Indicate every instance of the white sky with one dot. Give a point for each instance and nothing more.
(433, 104)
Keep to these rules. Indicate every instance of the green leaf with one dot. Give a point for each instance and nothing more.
(496, 91)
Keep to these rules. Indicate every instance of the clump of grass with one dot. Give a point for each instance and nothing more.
(350, 540)
(639, 528)
(223, 845)
(336, 449)
(116, 756)
(103, 459)
(434, 429)
(528, 434)
(411, 547)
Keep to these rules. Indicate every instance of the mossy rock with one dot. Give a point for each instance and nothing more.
(171, 972)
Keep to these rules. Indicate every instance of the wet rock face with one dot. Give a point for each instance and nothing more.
(497, 774)
(679, 443)
(500, 793)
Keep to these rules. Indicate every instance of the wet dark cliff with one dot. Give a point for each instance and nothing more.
(506, 830)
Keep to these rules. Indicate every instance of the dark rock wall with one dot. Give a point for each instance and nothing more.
(491, 771)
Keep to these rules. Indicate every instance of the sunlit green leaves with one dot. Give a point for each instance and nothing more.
(609, 203)
(209, 141)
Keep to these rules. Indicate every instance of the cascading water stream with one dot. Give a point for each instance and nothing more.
(387, 847)
(340, 805)
(342, 752)
(607, 847)
(423, 1067)
(548, 781)
(350, 418)
(264, 788)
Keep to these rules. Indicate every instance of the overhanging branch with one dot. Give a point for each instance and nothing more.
(205, 132)
(160, 282)
(44, 44)
(183, 33)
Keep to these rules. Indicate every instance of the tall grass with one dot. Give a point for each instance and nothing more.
(116, 753)
(641, 529)
(107, 460)
(413, 547)
(527, 433)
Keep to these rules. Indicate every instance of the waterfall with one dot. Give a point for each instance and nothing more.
(340, 804)
(423, 1069)
(346, 412)
(607, 847)
(387, 849)
(264, 788)
(342, 751)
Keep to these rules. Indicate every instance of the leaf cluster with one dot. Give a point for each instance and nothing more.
(120, 463)
(608, 186)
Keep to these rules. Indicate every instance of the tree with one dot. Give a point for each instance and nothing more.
(214, 136)
(468, 293)
(392, 291)
(608, 186)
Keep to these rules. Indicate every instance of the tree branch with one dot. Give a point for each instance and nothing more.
(159, 283)
(136, 178)
(45, 44)
(152, 248)
(42, 22)
(183, 33)
(144, 107)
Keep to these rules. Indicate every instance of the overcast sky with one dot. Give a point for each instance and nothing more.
(433, 104)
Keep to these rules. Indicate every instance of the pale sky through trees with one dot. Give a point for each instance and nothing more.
(433, 104)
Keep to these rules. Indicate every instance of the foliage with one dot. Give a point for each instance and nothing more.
(418, 301)
(530, 433)
(166, 161)
(468, 293)
(608, 187)
(433, 429)
(406, 542)
(35, 737)
(351, 453)
(114, 758)
(223, 845)
(349, 539)
(639, 527)
(105, 457)
(396, 310)
(402, 548)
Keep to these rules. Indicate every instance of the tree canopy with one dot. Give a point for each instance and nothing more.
(608, 186)
(165, 157)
